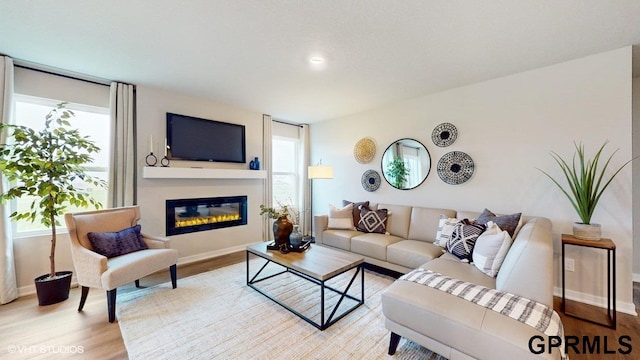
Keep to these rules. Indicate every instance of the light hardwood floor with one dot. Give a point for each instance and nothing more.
(25, 326)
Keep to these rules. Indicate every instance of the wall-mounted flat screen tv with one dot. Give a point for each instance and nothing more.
(192, 138)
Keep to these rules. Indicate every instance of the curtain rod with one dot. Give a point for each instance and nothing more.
(60, 75)
(286, 123)
(29, 65)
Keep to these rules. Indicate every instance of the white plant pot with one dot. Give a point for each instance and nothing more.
(591, 232)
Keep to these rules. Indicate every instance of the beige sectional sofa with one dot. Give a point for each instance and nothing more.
(441, 322)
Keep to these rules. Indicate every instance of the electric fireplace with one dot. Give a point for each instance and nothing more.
(191, 215)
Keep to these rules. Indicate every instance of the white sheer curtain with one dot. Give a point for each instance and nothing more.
(122, 169)
(267, 232)
(8, 283)
(304, 179)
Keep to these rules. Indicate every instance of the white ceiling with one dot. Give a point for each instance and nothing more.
(254, 54)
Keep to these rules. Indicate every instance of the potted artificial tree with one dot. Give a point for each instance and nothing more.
(586, 183)
(47, 164)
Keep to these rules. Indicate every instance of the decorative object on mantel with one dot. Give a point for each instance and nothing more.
(444, 134)
(254, 164)
(365, 150)
(151, 159)
(370, 180)
(585, 180)
(165, 160)
(455, 167)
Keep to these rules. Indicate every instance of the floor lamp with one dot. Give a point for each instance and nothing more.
(316, 172)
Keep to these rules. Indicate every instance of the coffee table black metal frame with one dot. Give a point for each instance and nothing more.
(330, 320)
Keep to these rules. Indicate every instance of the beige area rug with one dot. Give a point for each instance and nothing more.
(215, 315)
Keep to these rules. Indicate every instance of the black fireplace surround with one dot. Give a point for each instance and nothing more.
(191, 215)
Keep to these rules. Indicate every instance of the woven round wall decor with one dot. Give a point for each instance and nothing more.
(444, 134)
(455, 167)
(370, 180)
(365, 150)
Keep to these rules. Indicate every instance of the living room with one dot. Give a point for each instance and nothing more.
(507, 122)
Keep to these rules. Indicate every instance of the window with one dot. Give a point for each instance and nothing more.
(92, 121)
(286, 178)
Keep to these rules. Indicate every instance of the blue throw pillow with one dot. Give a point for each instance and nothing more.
(112, 244)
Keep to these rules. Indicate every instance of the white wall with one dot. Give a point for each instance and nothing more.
(508, 126)
(153, 104)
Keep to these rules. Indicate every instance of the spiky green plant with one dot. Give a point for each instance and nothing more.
(47, 164)
(585, 180)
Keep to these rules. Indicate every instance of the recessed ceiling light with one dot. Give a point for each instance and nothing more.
(316, 60)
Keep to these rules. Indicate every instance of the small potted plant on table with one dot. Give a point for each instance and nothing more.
(586, 182)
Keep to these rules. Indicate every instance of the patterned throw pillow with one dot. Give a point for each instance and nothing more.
(445, 230)
(341, 219)
(373, 221)
(112, 244)
(464, 238)
(356, 209)
(491, 248)
(509, 223)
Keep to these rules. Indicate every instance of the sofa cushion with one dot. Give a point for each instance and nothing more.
(425, 222)
(341, 218)
(464, 238)
(450, 266)
(505, 222)
(372, 221)
(398, 220)
(373, 245)
(412, 253)
(356, 209)
(467, 327)
(112, 244)
(340, 239)
(490, 249)
(532, 248)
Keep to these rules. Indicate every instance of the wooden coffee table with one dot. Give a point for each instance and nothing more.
(318, 265)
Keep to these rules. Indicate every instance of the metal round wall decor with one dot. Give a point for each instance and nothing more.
(444, 134)
(455, 167)
(370, 180)
(365, 150)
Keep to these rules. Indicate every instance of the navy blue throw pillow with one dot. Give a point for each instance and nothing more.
(112, 244)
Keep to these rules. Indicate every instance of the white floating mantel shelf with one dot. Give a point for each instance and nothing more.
(149, 172)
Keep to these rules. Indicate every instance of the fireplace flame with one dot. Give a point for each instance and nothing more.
(203, 220)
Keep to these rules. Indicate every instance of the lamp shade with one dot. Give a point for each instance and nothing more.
(320, 172)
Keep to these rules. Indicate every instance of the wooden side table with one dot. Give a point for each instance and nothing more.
(605, 244)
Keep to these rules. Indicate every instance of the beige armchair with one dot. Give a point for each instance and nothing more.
(98, 271)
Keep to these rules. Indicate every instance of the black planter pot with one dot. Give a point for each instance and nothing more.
(55, 290)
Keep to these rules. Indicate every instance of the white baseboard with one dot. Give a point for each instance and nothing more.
(624, 307)
(211, 254)
(31, 289)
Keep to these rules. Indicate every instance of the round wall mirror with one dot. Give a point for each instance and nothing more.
(406, 164)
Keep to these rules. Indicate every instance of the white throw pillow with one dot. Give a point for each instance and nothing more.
(490, 249)
(341, 218)
(445, 230)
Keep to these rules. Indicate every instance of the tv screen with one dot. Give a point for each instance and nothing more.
(192, 138)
